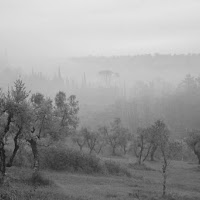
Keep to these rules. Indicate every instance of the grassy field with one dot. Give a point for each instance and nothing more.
(183, 179)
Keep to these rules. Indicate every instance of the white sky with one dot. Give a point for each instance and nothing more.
(32, 28)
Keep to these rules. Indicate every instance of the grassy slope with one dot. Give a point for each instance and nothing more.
(183, 179)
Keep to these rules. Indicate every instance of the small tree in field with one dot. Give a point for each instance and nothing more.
(118, 136)
(15, 118)
(140, 144)
(124, 140)
(52, 122)
(165, 151)
(113, 136)
(91, 138)
(102, 139)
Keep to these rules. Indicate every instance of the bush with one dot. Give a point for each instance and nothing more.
(60, 159)
(114, 168)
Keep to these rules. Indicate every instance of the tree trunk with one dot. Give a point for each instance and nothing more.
(100, 149)
(153, 150)
(198, 156)
(164, 169)
(34, 148)
(114, 150)
(140, 156)
(2, 150)
(91, 150)
(125, 150)
(2, 162)
(147, 153)
(10, 162)
(141, 150)
(197, 152)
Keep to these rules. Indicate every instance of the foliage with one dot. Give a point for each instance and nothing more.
(60, 159)
(140, 143)
(193, 141)
(33, 119)
(117, 136)
(79, 139)
(114, 168)
(91, 138)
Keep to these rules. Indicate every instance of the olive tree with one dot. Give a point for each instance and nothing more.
(14, 120)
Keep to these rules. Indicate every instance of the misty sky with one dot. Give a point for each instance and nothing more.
(37, 28)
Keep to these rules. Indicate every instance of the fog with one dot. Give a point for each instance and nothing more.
(101, 98)
(39, 29)
(104, 52)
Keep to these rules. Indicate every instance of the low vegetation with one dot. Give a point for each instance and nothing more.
(70, 160)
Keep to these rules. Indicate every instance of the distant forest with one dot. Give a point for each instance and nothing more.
(138, 89)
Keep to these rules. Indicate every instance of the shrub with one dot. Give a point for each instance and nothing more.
(61, 159)
(114, 168)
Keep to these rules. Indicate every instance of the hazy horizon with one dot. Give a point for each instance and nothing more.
(34, 29)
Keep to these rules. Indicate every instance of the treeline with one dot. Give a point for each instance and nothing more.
(145, 144)
(177, 106)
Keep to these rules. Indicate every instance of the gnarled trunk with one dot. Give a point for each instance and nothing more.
(2, 162)
(114, 150)
(153, 150)
(34, 148)
(148, 151)
(10, 162)
(2, 150)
